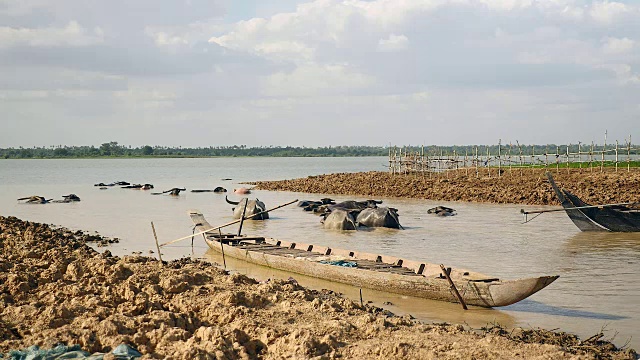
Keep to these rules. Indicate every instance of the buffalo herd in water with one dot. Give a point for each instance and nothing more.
(346, 215)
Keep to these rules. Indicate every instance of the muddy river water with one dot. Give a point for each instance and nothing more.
(598, 288)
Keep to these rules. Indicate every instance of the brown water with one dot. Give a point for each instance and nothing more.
(598, 285)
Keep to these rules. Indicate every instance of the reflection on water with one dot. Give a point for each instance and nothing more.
(599, 282)
(533, 306)
(584, 242)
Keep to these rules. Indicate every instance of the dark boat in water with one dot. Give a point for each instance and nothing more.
(610, 217)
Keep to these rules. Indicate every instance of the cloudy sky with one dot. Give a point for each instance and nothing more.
(317, 73)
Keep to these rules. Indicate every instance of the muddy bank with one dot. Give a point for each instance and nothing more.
(527, 187)
(54, 288)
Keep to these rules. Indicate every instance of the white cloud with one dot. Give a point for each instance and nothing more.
(624, 73)
(617, 46)
(393, 43)
(507, 5)
(310, 80)
(164, 39)
(606, 12)
(71, 35)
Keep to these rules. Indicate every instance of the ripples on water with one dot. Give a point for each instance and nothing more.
(598, 285)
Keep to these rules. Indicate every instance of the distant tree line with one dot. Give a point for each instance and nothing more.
(113, 149)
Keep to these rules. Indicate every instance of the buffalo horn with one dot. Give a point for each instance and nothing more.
(231, 202)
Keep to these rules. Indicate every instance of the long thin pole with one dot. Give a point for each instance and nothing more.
(453, 286)
(227, 224)
(244, 210)
(224, 260)
(604, 149)
(157, 246)
(522, 211)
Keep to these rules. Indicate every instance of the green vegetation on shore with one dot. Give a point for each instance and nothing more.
(113, 149)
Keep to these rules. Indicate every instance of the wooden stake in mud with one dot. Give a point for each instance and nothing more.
(629, 154)
(568, 158)
(499, 158)
(453, 286)
(361, 303)
(224, 260)
(616, 155)
(157, 246)
(580, 155)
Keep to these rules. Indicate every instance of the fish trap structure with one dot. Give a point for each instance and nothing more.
(496, 160)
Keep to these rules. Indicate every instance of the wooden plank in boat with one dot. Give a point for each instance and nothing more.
(257, 247)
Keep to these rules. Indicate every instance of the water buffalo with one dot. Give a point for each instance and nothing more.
(312, 205)
(219, 189)
(120, 183)
(68, 198)
(35, 199)
(442, 211)
(339, 219)
(174, 191)
(355, 205)
(253, 207)
(242, 190)
(379, 217)
(132, 186)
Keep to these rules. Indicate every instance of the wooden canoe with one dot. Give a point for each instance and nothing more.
(379, 272)
(587, 217)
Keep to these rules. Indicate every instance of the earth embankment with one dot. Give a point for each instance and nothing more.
(529, 186)
(56, 289)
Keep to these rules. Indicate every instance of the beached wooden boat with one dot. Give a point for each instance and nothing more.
(379, 272)
(608, 217)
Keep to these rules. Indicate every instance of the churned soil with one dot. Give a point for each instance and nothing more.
(56, 289)
(528, 186)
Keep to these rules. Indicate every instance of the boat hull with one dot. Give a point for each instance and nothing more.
(478, 293)
(595, 218)
(403, 277)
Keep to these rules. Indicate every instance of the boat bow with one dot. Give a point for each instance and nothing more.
(508, 292)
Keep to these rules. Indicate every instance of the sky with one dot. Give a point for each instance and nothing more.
(317, 73)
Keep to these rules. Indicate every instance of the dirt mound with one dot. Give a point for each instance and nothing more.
(516, 187)
(56, 289)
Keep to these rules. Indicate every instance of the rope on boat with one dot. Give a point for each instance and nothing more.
(525, 217)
